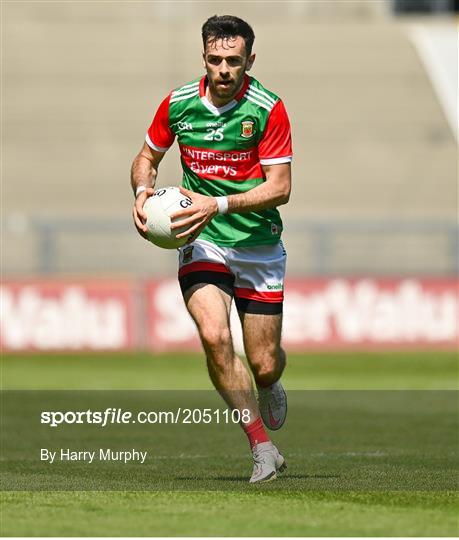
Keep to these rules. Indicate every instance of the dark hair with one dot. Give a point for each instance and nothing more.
(227, 26)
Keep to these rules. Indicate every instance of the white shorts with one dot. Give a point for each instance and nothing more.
(253, 275)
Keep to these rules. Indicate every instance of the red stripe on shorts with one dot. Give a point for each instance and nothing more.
(260, 296)
(203, 267)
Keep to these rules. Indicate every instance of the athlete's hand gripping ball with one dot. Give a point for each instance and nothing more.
(138, 213)
(159, 208)
(196, 217)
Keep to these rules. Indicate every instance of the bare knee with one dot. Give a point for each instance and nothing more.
(218, 347)
(216, 340)
(267, 365)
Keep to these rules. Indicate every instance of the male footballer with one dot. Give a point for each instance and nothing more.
(236, 152)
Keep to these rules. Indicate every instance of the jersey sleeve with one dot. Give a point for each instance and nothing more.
(159, 135)
(275, 145)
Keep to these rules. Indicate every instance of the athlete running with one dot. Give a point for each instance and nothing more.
(235, 145)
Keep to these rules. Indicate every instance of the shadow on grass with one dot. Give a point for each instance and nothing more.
(244, 478)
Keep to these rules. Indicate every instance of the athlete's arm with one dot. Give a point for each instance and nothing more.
(144, 171)
(275, 191)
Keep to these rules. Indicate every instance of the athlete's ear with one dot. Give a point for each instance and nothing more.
(250, 61)
(204, 58)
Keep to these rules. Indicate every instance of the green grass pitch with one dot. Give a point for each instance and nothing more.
(339, 482)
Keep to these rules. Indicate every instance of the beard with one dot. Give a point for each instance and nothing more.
(226, 88)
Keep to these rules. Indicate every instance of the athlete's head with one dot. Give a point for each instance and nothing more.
(227, 55)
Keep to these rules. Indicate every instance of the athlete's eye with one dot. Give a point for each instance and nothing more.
(214, 60)
(234, 61)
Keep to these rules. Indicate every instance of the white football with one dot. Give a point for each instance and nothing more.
(159, 208)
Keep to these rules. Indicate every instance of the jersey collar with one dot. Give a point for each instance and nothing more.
(220, 110)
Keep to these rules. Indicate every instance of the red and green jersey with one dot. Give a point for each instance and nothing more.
(223, 150)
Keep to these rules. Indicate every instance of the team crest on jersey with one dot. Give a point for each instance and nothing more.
(247, 129)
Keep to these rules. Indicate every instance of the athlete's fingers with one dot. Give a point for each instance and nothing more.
(135, 216)
(183, 213)
(139, 202)
(143, 234)
(186, 192)
(186, 223)
(177, 223)
(141, 227)
(138, 213)
(139, 219)
(191, 229)
(196, 233)
(193, 236)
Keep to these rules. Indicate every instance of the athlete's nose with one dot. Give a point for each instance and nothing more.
(224, 69)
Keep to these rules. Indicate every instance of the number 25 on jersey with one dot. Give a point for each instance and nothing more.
(214, 134)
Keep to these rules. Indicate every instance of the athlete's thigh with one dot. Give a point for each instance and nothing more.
(259, 295)
(261, 333)
(207, 285)
(209, 306)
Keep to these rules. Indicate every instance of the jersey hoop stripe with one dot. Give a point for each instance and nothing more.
(264, 94)
(259, 103)
(261, 296)
(185, 89)
(188, 91)
(203, 267)
(183, 97)
(260, 98)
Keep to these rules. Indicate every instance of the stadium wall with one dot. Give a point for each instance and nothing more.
(372, 145)
(319, 314)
